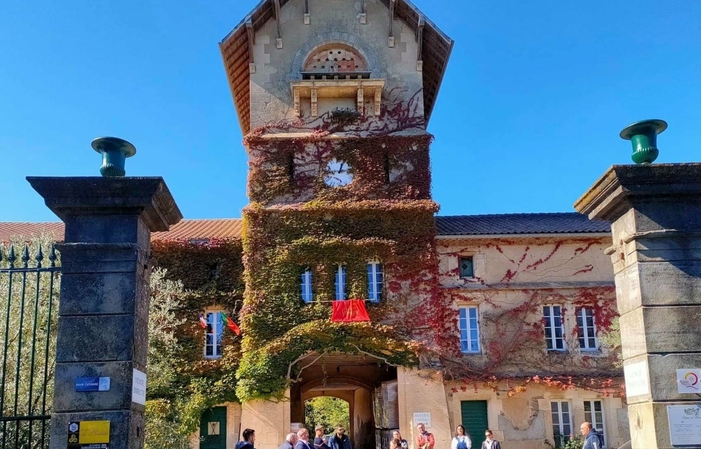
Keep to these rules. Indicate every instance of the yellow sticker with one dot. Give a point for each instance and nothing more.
(94, 432)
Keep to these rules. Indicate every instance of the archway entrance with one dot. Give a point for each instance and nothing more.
(361, 381)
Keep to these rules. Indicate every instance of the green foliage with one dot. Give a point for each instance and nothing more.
(328, 412)
(162, 430)
(280, 242)
(574, 442)
(266, 372)
(182, 383)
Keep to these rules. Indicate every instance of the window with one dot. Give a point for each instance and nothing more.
(554, 331)
(213, 334)
(594, 413)
(375, 277)
(307, 295)
(466, 267)
(340, 282)
(469, 330)
(562, 423)
(586, 329)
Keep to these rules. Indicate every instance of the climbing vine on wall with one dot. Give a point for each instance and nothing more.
(209, 274)
(296, 222)
(515, 353)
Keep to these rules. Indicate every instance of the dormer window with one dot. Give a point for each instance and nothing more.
(337, 76)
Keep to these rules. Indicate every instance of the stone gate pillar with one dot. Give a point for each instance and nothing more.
(103, 311)
(655, 212)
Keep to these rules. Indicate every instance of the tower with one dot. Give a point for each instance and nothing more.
(333, 97)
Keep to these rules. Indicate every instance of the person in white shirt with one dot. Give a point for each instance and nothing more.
(490, 442)
(461, 440)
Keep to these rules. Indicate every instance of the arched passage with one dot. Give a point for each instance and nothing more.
(355, 379)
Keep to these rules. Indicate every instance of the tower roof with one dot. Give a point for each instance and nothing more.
(236, 50)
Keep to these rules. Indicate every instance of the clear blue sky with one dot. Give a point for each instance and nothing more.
(527, 119)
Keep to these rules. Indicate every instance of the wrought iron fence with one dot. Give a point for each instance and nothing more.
(28, 310)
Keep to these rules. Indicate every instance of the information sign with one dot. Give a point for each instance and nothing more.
(684, 424)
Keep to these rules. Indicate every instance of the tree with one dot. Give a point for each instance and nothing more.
(163, 418)
(328, 412)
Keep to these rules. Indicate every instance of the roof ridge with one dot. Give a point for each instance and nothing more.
(509, 214)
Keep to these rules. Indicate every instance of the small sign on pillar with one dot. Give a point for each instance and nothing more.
(138, 387)
(89, 435)
(422, 418)
(689, 380)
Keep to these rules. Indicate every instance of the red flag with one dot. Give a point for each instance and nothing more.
(349, 311)
(203, 321)
(230, 324)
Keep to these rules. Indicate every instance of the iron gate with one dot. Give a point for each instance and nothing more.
(28, 310)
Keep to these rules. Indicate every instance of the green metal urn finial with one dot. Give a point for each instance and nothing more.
(643, 137)
(114, 152)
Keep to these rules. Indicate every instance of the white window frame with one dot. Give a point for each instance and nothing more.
(586, 333)
(340, 283)
(307, 286)
(561, 421)
(550, 322)
(213, 318)
(465, 326)
(590, 416)
(375, 281)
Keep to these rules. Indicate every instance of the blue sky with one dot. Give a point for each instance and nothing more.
(527, 119)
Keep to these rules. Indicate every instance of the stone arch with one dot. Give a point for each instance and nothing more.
(330, 38)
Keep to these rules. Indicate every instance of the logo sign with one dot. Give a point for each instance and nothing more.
(637, 380)
(89, 435)
(689, 380)
(138, 387)
(86, 384)
(422, 418)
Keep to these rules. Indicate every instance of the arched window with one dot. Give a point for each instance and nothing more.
(375, 279)
(335, 58)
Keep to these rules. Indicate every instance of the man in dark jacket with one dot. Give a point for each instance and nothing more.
(249, 438)
(303, 439)
(592, 438)
(340, 440)
(290, 441)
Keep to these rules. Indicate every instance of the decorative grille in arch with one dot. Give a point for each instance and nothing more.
(335, 58)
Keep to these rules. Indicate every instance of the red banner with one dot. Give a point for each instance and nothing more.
(349, 311)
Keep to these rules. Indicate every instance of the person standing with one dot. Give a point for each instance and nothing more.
(319, 440)
(402, 442)
(302, 439)
(489, 441)
(592, 438)
(461, 440)
(249, 439)
(340, 440)
(424, 440)
(290, 441)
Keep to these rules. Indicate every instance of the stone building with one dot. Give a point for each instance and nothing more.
(490, 321)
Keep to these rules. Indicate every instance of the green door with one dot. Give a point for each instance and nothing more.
(213, 429)
(474, 419)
